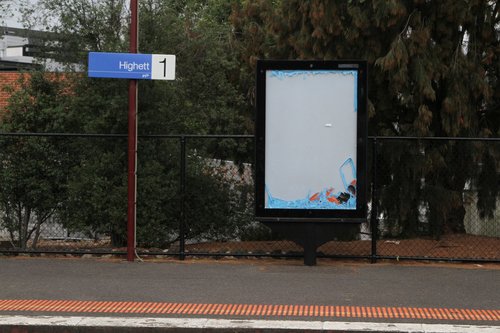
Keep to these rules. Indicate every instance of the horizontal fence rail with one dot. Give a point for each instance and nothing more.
(431, 198)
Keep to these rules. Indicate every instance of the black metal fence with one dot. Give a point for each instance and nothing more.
(431, 198)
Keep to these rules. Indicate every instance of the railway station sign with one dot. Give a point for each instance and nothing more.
(131, 66)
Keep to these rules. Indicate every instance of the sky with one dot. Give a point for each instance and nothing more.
(13, 20)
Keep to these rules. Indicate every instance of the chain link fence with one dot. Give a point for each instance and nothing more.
(67, 193)
(438, 198)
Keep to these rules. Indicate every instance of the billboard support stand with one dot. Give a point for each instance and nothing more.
(311, 235)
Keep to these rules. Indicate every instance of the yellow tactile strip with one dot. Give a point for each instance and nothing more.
(325, 311)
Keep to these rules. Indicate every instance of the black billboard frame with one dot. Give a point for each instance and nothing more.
(341, 216)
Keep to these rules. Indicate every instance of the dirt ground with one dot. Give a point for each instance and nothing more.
(448, 247)
(453, 246)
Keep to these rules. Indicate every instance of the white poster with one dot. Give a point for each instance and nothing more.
(311, 133)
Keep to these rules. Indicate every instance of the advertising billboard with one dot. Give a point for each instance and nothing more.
(311, 131)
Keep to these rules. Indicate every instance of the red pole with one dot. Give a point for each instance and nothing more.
(132, 138)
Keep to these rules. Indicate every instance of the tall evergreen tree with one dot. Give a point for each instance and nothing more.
(433, 71)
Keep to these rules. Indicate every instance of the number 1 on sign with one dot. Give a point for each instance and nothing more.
(163, 67)
(164, 62)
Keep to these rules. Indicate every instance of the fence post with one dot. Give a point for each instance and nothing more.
(374, 211)
(182, 223)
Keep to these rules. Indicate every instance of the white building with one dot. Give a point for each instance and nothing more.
(15, 49)
(20, 49)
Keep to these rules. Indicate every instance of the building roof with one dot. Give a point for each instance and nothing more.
(19, 47)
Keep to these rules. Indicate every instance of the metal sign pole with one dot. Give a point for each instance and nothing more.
(133, 66)
(132, 139)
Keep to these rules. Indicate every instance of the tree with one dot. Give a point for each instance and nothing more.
(80, 26)
(433, 71)
(33, 170)
(204, 99)
(96, 186)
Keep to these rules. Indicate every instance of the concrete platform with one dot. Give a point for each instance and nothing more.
(91, 295)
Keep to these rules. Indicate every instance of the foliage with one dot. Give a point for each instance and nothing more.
(158, 186)
(33, 170)
(204, 99)
(433, 71)
(97, 190)
(487, 183)
(219, 202)
(80, 26)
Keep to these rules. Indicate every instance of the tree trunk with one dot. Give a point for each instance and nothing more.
(39, 222)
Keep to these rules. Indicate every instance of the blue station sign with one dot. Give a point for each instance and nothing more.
(131, 66)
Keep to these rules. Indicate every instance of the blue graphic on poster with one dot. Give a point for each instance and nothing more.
(327, 198)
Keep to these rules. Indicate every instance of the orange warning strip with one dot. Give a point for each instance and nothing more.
(279, 310)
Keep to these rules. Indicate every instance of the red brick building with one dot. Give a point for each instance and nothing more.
(7, 79)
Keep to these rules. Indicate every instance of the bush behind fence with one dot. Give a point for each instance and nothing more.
(432, 198)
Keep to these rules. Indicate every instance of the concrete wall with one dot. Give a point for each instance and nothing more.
(474, 225)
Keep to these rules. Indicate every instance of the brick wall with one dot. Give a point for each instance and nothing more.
(7, 79)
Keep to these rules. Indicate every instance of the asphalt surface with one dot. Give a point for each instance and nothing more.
(252, 282)
(267, 282)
